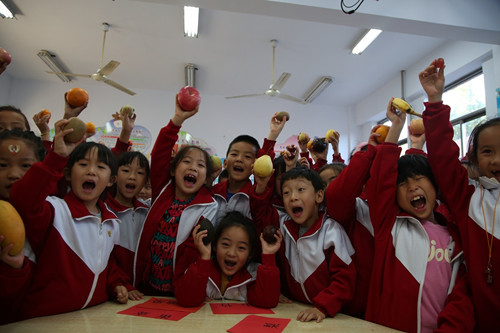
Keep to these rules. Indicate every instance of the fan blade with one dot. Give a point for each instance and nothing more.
(281, 81)
(109, 68)
(69, 74)
(240, 96)
(117, 86)
(291, 98)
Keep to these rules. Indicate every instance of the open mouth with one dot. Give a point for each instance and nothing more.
(238, 169)
(88, 186)
(229, 263)
(297, 211)
(130, 187)
(418, 202)
(190, 179)
(496, 173)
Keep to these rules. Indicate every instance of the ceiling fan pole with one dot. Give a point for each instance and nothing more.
(105, 27)
(273, 43)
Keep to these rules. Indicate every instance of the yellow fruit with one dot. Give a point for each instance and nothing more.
(417, 126)
(331, 134)
(303, 138)
(382, 130)
(216, 162)
(90, 128)
(263, 166)
(281, 114)
(79, 130)
(11, 227)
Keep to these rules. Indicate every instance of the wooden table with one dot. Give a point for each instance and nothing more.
(105, 318)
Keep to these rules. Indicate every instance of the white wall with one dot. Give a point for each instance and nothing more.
(218, 121)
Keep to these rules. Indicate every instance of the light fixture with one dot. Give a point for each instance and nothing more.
(49, 60)
(318, 88)
(191, 17)
(5, 12)
(366, 40)
(189, 74)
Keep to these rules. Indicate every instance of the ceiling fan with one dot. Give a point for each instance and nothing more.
(275, 87)
(103, 72)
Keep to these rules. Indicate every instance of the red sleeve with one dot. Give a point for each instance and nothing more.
(116, 276)
(337, 158)
(262, 209)
(190, 288)
(120, 147)
(342, 286)
(458, 312)
(47, 144)
(161, 156)
(306, 155)
(28, 196)
(264, 292)
(267, 149)
(320, 162)
(342, 192)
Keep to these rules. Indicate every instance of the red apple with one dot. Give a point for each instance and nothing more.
(4, 57)
(188, 98)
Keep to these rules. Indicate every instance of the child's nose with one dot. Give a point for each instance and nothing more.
(14, 173)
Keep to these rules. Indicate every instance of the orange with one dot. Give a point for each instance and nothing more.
(382, 130)
(44, 112)
(11, 227)
(77, 97)
(90, 128)
(417, 126)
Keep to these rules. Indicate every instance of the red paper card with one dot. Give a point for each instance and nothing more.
(237, 308)
(260, 324)
(167, 304)
(139, 311)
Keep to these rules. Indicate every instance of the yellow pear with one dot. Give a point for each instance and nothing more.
(263, 166)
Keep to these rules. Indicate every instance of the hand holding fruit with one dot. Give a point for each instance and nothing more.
(199, 235)
(262, 170)
(181, 114)
(61, 145)
(270, 239)
(75, 101)
(5, 60)
(41, 120)
(278, 121)
(16, 260)
(188, 98)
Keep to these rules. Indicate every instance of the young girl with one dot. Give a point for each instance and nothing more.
(133, 170)
(232, 274)
(473, 203)
(180, 199)
(11, 117)
(414, 285)
(72, 238)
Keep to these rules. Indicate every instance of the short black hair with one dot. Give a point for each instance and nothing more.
(29, 138)
(336, 166)
(128, 157)
(473, 138)
(184, 150)
(16, 110)
(104, 155)
(245, 138)
(235, 218)
(411, 165)
(306, 173)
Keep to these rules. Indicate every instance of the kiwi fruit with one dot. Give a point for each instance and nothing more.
(268, 234)
(282, 114)
(206, 224)
(79, 129)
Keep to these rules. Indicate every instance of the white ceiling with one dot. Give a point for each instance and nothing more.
(233, 53)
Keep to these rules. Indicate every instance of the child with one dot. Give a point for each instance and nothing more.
(19, 150)
(417, 282)
(180, 199)
(11, 117)
(473, 203)
(133, 170)
(72, 238)
(233, 194)
(319, 159)
(233, 273)
(316, 259)
(331, 171)
(145, 193)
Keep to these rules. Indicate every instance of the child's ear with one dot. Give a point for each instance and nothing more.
(112, 180)
(224, 164)
(320, 195)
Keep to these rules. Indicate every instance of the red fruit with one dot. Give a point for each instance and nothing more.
(188, 98)
(292, 149)
(268, 234)
(439, 63)
(5, 56)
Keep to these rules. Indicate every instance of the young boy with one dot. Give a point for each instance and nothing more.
(316, 258)
(232, 194)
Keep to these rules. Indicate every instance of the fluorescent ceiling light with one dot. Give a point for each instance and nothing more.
(4, 11)
(367, 39)
(189, 73)
(318, 88)
(191, 17)
(49, 60)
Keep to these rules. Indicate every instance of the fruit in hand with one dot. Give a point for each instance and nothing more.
(128, 110)
(263, 166)
(45, 112)
(268, 234)
(188, 98)
(281, 114)
(90, 128)
(216, 162)
(303, 138)
(318, 145)
(417, 126)
(11, 227)
(205, 224)
(382, 130)
(4, 57)
(293, 151)
(404, 106)
(439, 63)
(331, 134)
(77, 97)
(79, 129)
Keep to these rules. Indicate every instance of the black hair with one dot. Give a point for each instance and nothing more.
(104, 155)
(335, 166)
(183, 152)
(362, 148)
(245, 138)
(306, 173)
(473, 139)
(236, 219)
(279, 165)
(16, 110)
(412, 165)
(30, 138)
(128, 157)
(224, 174)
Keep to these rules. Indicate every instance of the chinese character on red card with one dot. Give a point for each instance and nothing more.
(237, 308)
(139, 311)
(168, 304)
(260, 324)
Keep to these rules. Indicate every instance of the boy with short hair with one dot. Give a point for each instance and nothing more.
(316, 258)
